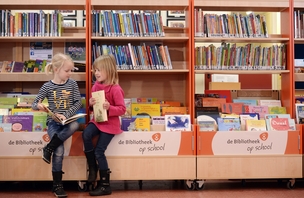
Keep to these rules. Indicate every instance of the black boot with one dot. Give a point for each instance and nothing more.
(57, 185)
(50, 147)
(103, 187)
(92, 166)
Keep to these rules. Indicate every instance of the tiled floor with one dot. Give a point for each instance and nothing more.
(164, 189)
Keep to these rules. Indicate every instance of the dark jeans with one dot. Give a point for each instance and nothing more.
(103, 141)
(63, 132)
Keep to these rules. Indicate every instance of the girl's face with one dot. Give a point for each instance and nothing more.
(100, 75)
(65, 71)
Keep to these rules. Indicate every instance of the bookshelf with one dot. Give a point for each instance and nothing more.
(16, 168)
(173, 85)
(246, 166)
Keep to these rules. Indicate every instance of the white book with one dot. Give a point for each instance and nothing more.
(177, 123)
(100, 114)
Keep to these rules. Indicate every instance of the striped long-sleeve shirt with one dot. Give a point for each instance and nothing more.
(64, 99)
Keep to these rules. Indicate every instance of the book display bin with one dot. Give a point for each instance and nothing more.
(193, 155)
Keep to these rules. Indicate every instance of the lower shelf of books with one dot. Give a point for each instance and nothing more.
(249, 167)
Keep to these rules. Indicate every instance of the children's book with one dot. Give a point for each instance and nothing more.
(207, 125)
(5, 127)
(4, 111)
(299, 113)
(279, 124)
(128, 104)
(261, 110)
(206, 118)
(100, 114)
(174, 111)
(158, 120)
(145, 109)
(18, 66)
(255, 125)
(177, 123)
(140, 123)
(270, 103)
(277, 110)
(229, 124)
(291, 122)
(20, 123)
(246, 101)
(247, 116)
(236, 108)
(221, 94)
(213, 102)
(144, 100)
(7, 66)
(66, 121)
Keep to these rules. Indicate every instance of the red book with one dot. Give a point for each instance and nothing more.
(279, 124)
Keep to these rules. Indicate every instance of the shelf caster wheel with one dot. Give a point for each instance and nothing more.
(190, 185)
(82, 186)
(243, 182)
(199, 184)
(291, 184)
(140, 184)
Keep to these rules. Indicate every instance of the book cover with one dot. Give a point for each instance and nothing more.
(15, 111)
(128, 103)
(7, 66)
(207, 125)
(20, 123)
(247, 116)
(4, 111)
(255, 125)
(100, 114)
(158, 120)
(236, 108)
(140, 123)
(8, 101)
(66, 121)
(270, 103)
(277, 110)
(144, 100)
(18, 66)
(221, 94)
(177, 123)
(39, 121)
(25, 100)
(145, 109)
(5, 127)
(279, 124)
(213, 102)
(174, 111)
(229, 124)
(246, 101)
(206, 111)
(299, 113)
(261, 110)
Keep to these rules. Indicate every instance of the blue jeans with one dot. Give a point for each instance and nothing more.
(63, 132)
(103, 141)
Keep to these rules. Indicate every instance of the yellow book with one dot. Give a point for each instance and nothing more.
(145, 109)
(256, 125)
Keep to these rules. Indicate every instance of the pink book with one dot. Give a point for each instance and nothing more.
(261, 110)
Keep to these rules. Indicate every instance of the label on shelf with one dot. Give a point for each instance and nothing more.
(249, 143)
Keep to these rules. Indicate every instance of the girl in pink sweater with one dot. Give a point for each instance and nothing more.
(104, 69)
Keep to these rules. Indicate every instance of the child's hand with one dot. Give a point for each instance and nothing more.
(41, 107)
(92, 101)
(60, 116)
(106, 105)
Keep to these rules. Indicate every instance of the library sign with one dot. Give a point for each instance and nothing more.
(125, 144)
(251, 143)
(146, 144)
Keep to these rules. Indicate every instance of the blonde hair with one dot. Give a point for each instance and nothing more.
(57, 62)
(107, 63)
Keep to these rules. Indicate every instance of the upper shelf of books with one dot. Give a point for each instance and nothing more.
(271, 39)
(241, 5)
(139, 4)
(241, 71)
(43, 5)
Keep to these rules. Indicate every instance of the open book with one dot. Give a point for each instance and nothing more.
(100, 114)
(66, 121)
